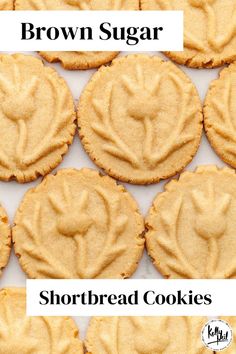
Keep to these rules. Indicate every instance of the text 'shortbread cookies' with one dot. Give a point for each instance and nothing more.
(6, 5)
(26, 335)
(36, 118)
(78, 60)
(88, 219)
(5, 239)
(140, 119)
(232, 322)
(209, 30)
(191, 226)
(220, 115)
(145, 335)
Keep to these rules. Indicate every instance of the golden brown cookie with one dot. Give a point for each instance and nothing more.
(191, 225)
(42, 335)
(140, 119)
(145, 335)
(79, 60)
(36, 118)
(232, 322)
(220, 113)
(209, 30)
(5, 239)
(90, 220)
(6, 5)
(77, 5)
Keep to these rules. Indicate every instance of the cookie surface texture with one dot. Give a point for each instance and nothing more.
(5, 239)
(232, 322)
(6, 5)
(145, 335)
(219, 115)
(191, 225)
(36, 118)
(78, 60)
(209, 30)
(88, 218)
(77, 5)
(39, 335)
(140, 119)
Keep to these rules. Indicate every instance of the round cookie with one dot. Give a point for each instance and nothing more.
(145, 335)
(77, 5)
(191, 225)
(6, 5)
(78, 60)
(209, 30)
(5, 239)
(36, 118)
(232, 322)
(85, 217)
(220, 113)
(140, 119)
(41, 335)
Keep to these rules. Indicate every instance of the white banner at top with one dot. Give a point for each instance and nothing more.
(91, 30)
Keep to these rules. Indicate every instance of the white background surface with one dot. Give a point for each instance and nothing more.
(11, 193)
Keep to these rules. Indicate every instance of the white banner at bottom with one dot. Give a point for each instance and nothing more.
(143, 297)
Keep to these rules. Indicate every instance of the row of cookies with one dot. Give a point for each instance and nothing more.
(105, 335)
(80, 224)
(209, 29)
(140, 119)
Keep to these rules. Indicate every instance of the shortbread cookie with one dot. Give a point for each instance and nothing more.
(191, 228)
(6, 5)
(5, 239)
(77, 5)
(145, 335)
(232, 322)
(220, 113)
(140, 119)
(36, 118)
(209, 30)
(79, 60)
(42, 335)
(90, 220)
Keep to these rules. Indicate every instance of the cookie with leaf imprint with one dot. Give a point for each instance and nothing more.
(145, 335)
(191, 225)
(140, 119)
(36, 118)
(6, 5)
(232, 322)
(88, 218)
(78, 60)
(220, 115)
(25, 335)
(209, 30)
(5, 239)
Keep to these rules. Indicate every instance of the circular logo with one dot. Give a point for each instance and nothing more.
(217, 335)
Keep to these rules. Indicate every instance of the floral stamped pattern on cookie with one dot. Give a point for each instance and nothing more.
(88, 218)
(220, 113)
(202, 244)
(27, 335)
(130, 129)
(212, 41)
(36, 115)
(145, 335)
